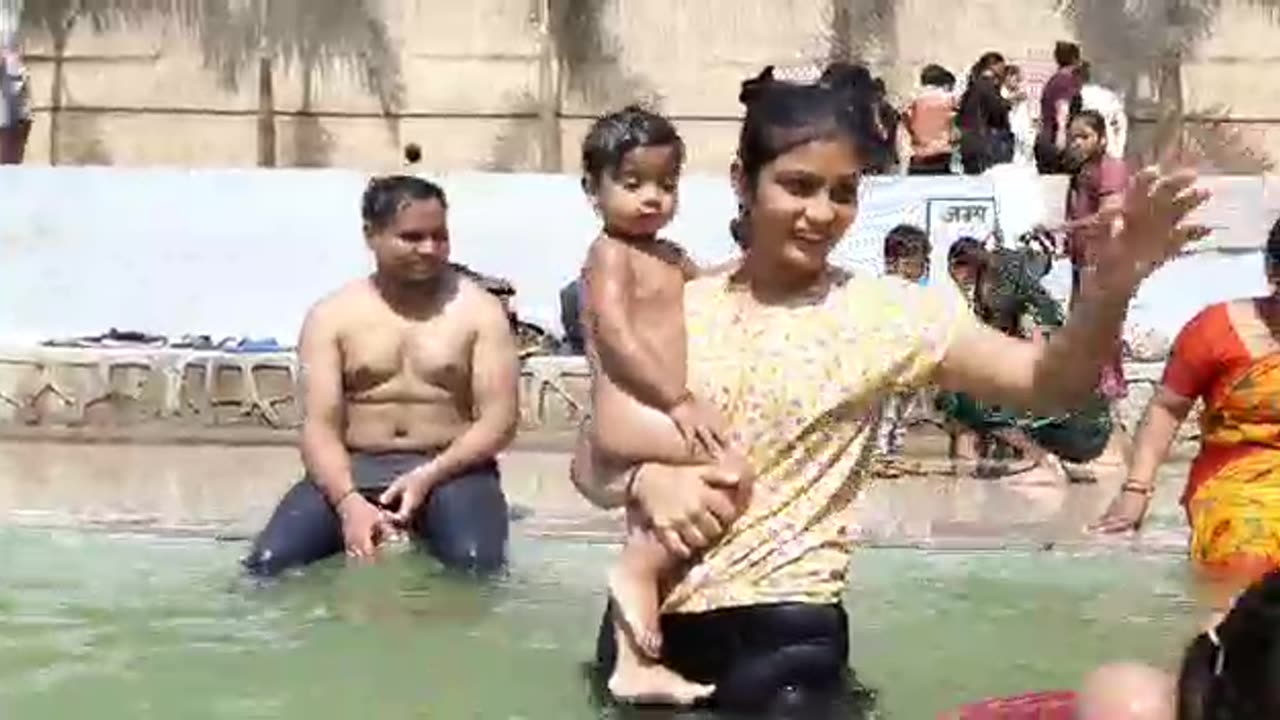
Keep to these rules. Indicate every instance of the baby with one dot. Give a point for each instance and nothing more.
(633, 313)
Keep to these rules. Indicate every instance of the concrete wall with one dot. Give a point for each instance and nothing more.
(466, 78)
(245, 252)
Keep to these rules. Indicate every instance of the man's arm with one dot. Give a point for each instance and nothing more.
(627, 361)
(495, 377)
(324, 452)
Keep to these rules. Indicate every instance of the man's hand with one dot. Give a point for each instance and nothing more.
(363, 526)
(406, 495)
(702, 426)
(688, 506)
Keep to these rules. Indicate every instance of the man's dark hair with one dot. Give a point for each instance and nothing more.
(618, 133)
(1085, 72)
(905, 241)
(1066, 53)
(934, 75)
(967, 251)
(386, 196)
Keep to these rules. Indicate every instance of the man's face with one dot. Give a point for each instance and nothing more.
(415, 246)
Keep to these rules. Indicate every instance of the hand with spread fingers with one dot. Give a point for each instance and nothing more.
(1151, 228)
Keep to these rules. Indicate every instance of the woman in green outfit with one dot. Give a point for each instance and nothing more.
(1007, 295)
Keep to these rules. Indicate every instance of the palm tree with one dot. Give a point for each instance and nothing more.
(858, 29)
(579, 56)
(57, 18)
(1152, 39)
(240, 37)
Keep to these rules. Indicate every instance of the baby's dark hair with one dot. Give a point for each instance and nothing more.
(385, 196)
(905, 241)
(782, 116)
(1233, 671)
(613, 136)
(934, 75)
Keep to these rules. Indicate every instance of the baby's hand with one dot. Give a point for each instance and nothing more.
(701, 425)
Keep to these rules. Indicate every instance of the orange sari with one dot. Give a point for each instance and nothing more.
(1226, 357)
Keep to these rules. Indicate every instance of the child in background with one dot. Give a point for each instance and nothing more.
(906, 255)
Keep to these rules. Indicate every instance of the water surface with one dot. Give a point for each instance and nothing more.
(129, 626)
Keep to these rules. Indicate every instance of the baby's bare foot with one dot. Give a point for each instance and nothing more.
(653, 684)
(635, 602)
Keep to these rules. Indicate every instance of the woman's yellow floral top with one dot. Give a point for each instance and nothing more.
(801, 386)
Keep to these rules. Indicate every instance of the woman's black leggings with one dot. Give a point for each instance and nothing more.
(463, 522)
(778, 661)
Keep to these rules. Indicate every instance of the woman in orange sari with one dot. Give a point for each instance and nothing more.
(1228, 356)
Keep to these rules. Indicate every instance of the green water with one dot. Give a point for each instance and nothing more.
(140, 627)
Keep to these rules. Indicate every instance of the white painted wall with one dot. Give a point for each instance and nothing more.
(245, 252)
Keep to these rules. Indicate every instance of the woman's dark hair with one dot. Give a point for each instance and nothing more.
(1094, 120)
(987, 61)
(1233, 671)
(1273, 249)
(385, 196)
(618, 133)
(782, 116)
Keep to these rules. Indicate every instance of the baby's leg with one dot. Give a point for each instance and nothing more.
(634, 585)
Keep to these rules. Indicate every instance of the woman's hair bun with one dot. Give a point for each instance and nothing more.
(751, 88)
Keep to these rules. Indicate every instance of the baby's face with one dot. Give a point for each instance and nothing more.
(639, 198)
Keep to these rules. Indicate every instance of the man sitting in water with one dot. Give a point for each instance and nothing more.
(409, 391)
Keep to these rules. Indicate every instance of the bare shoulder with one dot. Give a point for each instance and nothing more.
(334, 309)
(476, 305)
(607, 255)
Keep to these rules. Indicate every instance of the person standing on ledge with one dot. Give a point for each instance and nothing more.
(409, 388)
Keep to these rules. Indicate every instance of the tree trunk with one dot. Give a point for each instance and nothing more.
(841, 31)
(266, 114)
(57, 91)
(548, 93)
(1171, 132)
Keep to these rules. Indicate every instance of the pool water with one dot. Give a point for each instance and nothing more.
(128, 626)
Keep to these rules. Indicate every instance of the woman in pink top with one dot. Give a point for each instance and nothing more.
(1098, 183)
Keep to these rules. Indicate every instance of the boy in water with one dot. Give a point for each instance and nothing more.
(906, 255)
(635, 341)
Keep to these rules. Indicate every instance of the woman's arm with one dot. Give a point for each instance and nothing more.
(1064, 372)
(1165, 414)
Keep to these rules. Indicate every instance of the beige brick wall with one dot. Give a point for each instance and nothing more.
(470, 80)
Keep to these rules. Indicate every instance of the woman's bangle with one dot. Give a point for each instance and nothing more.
(1133, 486)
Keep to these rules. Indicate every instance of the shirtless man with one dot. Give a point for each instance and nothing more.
(409, 391)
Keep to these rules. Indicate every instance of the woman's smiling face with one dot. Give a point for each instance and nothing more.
(802, 203)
